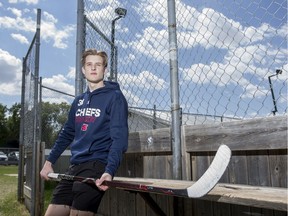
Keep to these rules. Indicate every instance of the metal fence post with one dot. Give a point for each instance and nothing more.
(35, 210)
(174, 83)
(21, 138)
(80, 44)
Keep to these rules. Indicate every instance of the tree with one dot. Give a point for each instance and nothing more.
(13, 125)
(3, 125)
(53, 118)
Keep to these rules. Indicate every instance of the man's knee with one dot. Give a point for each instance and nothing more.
(60, 210)
(75, 212)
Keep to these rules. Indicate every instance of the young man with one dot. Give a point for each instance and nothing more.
(97, 133)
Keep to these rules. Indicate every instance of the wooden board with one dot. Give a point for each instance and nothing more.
(262, 197)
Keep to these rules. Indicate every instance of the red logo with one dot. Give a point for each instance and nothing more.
(84, 127)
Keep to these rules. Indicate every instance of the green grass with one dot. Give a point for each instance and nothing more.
(49, 186)
(9, 206)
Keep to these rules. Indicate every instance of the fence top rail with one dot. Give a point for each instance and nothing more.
(254, 134)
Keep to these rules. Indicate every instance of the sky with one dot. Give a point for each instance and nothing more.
(225, 51)
(57, 49)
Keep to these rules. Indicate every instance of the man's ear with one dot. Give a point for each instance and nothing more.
(83, 70)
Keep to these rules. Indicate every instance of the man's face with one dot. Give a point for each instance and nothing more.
(94, 69)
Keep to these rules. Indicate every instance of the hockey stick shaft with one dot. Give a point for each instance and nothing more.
(127, 185)
(198, 189)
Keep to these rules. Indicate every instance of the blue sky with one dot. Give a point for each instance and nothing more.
(228, 59)
(57, 54)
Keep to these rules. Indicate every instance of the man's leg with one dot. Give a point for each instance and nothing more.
(59, 210)
(75, 212)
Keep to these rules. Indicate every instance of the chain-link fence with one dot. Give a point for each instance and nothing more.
(29, 181)
(232, 56)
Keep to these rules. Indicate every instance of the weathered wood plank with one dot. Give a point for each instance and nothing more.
(150, 142)
(278, 168)
(258, 168)
(255, 196)
(254, 134)
(238, 174)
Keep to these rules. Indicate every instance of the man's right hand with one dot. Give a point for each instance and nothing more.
(47, 168)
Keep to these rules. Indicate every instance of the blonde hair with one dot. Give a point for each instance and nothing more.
(94, 52)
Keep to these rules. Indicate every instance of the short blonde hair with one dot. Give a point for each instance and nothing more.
(94, 52)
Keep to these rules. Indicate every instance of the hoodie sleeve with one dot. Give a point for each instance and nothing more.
(119, 133)
(65, 137)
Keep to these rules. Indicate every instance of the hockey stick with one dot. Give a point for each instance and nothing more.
(198, 189)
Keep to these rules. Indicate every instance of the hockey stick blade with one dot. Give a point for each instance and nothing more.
(212, 175)
(200, 188)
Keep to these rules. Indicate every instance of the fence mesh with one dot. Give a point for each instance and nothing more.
(228, 51)
(29, 105)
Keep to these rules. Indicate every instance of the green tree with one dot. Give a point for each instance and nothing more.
(13, 125)
(3, 125)
(54, 117)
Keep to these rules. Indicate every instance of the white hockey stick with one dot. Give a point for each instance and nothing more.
(198, 189)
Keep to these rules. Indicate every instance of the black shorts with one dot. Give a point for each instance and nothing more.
(78, 195)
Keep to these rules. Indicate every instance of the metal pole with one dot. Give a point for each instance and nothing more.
(278, 71)
(175, 107)
(21, 138)
(154, 117)
(35, 205)
(272, 93)
(80, 46)
(112, 57)
(40, 150)
(116, 64)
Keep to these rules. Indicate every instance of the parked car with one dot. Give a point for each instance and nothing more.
(13, 156)
(3, 156)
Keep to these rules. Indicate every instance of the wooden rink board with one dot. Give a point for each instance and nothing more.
(257, 196)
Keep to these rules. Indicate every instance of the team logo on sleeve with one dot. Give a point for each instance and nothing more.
(84, 127)
(80, 102)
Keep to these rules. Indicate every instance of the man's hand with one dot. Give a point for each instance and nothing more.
(104, 177)
(47, 168)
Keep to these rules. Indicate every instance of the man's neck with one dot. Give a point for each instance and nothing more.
(94, 86)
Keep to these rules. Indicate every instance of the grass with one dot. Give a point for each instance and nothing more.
(9, 206)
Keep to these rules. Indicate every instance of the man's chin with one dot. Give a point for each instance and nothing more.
(95, 81)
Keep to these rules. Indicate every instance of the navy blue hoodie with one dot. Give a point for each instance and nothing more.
(96, 128)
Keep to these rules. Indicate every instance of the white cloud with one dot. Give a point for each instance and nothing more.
(145, 80)
(15, 11)
(10, 67)
(71, 73)
(132, 99)
(18, 37)
(49, 17)
(57, 82)
(237, 63)
(11, 73)
(153, 11)
(18, 24)
(23, 1)
(153, 43)
(10, 89)
(49, 29)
